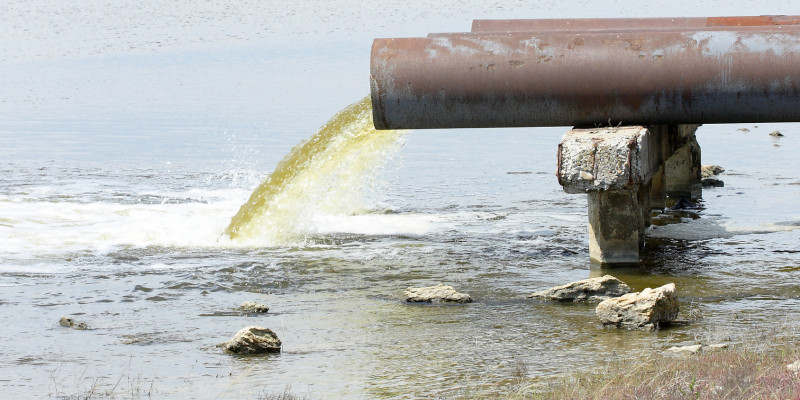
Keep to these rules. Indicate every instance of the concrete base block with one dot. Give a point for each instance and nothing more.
(617, 222)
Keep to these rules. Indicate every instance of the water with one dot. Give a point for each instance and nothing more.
(322, 179)
(131, 134)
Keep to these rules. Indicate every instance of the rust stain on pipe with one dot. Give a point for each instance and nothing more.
(584, 79)
(584, 24)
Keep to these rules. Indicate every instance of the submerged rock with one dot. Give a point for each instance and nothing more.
(591, 290)
(435, 294)
(253, 307)
(70, 323)
(684, 204)
(253, 340)
(697, 348)
(712, 182)
(694, 349)
(708, 171)
(645, 310)
(716, 347)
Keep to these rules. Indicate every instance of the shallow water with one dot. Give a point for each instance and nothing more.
(122, 162)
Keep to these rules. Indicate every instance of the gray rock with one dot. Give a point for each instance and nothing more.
(253, 307)
(712, 182)
(589, 290)
(70, 323)
(645, 310)
(435, 294)
(776, 133)
(794, 367)
(716, 347)
(253, 340)
(708, 171)
(694, 349)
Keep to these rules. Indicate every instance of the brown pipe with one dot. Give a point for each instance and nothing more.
(585, 24)
(584, 79)
(626, 30)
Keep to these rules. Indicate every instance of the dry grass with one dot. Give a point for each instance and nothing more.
(754, 369)
(85, 387)
(285, 395)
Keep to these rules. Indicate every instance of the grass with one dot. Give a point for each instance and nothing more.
(752, 369)
(84, 387)
(285, 395)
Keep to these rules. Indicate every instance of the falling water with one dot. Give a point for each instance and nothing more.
(326, 174)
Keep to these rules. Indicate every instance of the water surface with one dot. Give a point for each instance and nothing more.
(130, 135)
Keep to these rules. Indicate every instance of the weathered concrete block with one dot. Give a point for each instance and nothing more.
(605, 159)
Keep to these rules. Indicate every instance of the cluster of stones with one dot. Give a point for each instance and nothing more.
(645, 310)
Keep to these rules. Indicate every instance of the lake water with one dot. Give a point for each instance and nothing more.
(132, 132)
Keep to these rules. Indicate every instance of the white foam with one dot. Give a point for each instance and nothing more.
(38, 227)
(377, 224)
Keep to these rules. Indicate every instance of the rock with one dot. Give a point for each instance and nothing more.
(708, 171)
(716, 347)
(794, 367)
(253, 307)
(253, 340)
(712, 182)
(70, 323)
(645, 310)
(776, 133)
(743, 130)
(435, 294)
(683, 204)
(694, 349)
(591, 290)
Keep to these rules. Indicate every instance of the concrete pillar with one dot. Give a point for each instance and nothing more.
(626, 172)
(682, 168)
(615, 168)
(659, 153)
(658, 191)
(615, 226)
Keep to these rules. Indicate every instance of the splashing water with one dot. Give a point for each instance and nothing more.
(324, 175)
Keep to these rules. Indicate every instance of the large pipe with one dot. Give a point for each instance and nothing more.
(586, 24)
(635, 29)
(585, 79)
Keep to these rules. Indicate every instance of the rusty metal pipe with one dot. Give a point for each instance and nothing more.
(585, 24)
(585, 79)
(623, 30)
